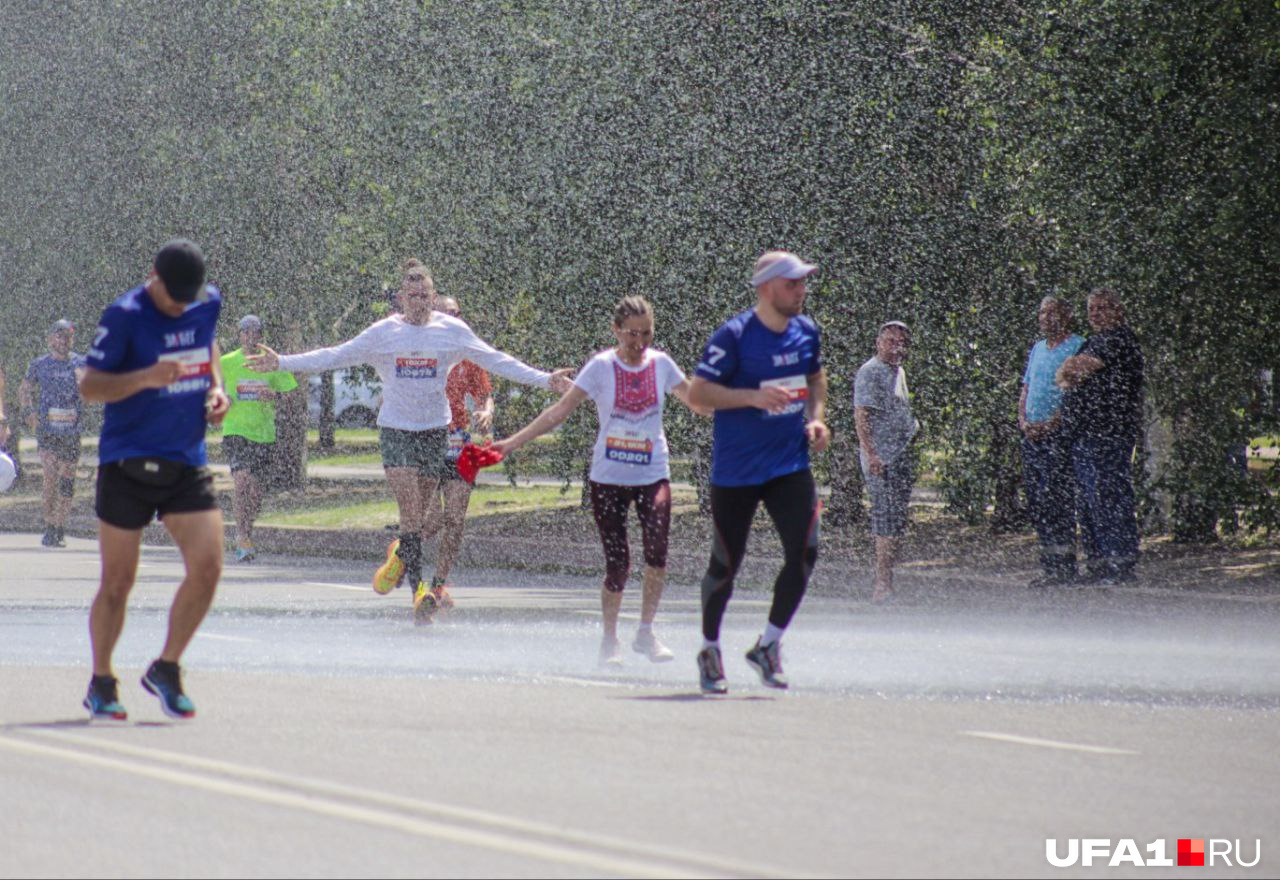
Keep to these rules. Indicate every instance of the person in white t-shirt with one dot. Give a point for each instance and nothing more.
(629, 465)
(412, 352)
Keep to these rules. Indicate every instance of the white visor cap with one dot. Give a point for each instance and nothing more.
(785, 265)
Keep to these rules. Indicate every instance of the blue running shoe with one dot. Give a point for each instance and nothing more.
(103, 700)
(164, 680)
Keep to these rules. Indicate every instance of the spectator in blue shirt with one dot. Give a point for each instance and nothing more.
(50, 397)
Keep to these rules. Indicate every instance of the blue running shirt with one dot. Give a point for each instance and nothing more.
(752, 446)
(58, 407)
(165, 422)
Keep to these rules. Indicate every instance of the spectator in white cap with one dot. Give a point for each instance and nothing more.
(882, 416)
(249, 430)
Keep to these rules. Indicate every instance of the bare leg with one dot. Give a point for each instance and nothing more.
(432, 517)
(610, 605)
(66, 470)
(457, 495)
(404, 486)
(119, 549)
(248, 502)
(199, 539)
(49, 486)
(886, 551)
(654, 581)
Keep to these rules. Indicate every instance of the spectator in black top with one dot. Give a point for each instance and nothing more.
(1102, 413)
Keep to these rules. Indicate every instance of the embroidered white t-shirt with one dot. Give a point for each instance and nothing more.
(631, 448)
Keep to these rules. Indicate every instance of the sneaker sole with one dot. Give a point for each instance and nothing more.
(424, 612)
(654, 658)
(719, 688)
(164, 704)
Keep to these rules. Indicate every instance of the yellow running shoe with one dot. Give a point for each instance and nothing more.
(389, 575)
(424, 605)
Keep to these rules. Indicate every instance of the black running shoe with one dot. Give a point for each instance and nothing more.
(103, 700)
(767, 660)
(164, 680)
(711, 672)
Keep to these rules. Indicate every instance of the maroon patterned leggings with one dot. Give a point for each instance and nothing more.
(609, 503)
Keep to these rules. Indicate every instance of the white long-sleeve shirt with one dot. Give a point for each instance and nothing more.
(413, 362)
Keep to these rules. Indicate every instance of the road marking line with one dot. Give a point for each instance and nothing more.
(1047, 743)
(446, 813)
(338, 586)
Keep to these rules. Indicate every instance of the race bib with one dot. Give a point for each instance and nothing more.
(60, 419)
(197, 370)
(797, 388)
(414, 367)
(457, 439)
(628, 447)
(251, 389)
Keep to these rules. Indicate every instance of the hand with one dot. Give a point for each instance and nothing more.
(161, 374)
(503, 446)
(771, 399)
(483, 421)
(216, 404)
(875, 464)
(560, 382)
(266, 361)
(819, 434)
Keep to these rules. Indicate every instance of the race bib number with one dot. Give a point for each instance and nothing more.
(628, 447)
(251, 389)
(797, 388)
(197, 370)
(457, 439)
(60, 419)
(413, 367)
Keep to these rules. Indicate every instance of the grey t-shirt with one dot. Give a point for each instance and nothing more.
(882, 389)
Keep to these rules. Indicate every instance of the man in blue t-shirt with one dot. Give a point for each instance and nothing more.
(50, 397)
(154, 363)
(1046, 447)
(762, 374)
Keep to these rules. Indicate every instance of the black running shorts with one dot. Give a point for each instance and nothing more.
(127, 503)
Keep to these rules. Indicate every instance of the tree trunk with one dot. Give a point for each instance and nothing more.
(845, 506)
(1009, 514)
(289, 467)
(327, 423)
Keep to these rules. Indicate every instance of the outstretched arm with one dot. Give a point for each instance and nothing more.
(550, 418)
(681, 392)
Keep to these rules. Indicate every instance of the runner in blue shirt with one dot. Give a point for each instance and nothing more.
(50, 396)
(154, 363)
(762, 374)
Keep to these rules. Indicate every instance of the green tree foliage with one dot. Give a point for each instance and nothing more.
(947, 164)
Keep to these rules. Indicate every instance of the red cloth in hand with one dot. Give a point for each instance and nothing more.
(474, 457)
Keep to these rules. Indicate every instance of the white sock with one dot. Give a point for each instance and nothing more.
(707, 643)
(771, 634)
(645, 628)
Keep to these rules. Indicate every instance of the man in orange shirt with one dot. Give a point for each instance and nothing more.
(465, 380)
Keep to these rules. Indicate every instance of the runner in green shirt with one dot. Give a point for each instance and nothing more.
(249, 430)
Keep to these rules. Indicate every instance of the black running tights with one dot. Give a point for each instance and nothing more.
(792, 503)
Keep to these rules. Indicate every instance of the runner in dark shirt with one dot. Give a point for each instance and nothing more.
(155, 364)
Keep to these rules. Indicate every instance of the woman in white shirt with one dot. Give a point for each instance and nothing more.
(412, 351)
(629, 464)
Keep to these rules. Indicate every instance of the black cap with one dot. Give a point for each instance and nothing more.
(180, 265)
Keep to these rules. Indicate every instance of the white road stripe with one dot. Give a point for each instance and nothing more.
(620, 856)
(338, 586)
(1047, 743)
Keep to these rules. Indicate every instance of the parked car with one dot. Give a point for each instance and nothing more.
(357, 397)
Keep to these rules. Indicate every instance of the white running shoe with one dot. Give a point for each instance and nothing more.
(610, 652)
(647, 643)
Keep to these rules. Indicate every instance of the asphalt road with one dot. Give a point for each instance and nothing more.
(948, 736)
